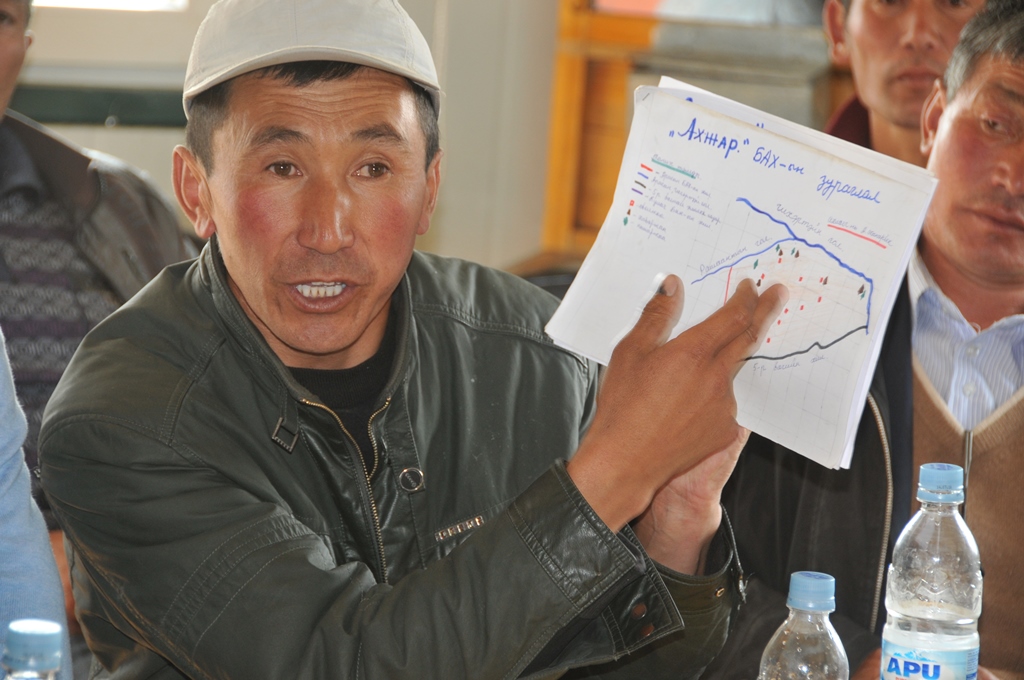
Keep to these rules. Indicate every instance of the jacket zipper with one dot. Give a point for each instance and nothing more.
(888, 507)
(373, 440)
(366, 474)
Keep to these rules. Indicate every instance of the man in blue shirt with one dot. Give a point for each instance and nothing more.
(29, 585)
(958, 343)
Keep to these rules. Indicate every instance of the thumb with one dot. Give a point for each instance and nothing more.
(660, 315)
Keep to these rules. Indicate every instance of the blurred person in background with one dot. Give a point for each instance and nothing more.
(895, 50)
(80, 233)
(947, 388)
(29, 585)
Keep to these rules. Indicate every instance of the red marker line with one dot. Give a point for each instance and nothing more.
(646, 168)
(877, 243)
(727, 280)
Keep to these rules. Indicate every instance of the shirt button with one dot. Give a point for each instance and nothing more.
(646, 631)
(972, 351)
(969, 389)
(639, 611)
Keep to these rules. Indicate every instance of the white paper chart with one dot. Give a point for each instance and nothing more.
(718, 197)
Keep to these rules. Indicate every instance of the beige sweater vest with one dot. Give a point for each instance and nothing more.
(994, 510)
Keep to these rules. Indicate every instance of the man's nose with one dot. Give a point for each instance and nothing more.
(920, 25)
(1009, 171)
(326, 217)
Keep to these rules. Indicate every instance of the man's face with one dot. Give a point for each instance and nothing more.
(317, 196)
(975, 223)
(14, 42)
(896, 49)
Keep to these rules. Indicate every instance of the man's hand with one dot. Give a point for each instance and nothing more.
(680, 522)
(870, 668)
(666, 405)
(57, 545)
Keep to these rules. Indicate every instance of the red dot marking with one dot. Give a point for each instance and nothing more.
(768, 340)
(762, 276)
(780, 322)
(780, 260)
(801, 278)
(801, 308)
(819, 299)
(786, 311)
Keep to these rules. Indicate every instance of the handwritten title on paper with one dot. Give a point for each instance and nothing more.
(770, 160)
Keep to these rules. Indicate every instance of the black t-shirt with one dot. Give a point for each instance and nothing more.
(352, 393)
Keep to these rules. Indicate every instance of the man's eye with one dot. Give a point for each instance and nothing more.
(282, 169)
(373, 170)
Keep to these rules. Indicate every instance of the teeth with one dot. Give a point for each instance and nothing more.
(320, 290)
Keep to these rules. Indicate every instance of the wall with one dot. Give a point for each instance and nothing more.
(495, 63)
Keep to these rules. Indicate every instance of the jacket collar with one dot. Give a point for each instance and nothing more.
(240, 328)
(64, 167)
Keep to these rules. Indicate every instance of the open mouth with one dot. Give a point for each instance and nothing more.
(320, 290)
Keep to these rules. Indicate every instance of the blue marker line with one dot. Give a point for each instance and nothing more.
(643, 175)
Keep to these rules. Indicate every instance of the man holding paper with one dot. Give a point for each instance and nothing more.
(234, 512)
(967, 290)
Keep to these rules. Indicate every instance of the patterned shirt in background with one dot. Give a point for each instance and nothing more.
(974, 371)
(50, 295)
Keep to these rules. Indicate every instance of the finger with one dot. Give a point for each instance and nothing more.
(769, 305)
(660, 315)
(718, 330)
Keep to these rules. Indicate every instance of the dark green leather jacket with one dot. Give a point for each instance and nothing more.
(222, 526)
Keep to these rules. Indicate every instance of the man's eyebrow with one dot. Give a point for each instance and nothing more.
(383, 131)
(275, 134)
(1015, 96)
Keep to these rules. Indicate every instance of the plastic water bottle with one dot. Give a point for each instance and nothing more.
(806, 647)
(32, 649)
(933, 597)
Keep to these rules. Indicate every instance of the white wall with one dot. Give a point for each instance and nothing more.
(495, 60)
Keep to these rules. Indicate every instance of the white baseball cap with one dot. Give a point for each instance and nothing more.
(239, 36)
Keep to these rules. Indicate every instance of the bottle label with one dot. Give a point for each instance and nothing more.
(910, 663)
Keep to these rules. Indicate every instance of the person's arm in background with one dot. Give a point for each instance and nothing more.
(29, 585)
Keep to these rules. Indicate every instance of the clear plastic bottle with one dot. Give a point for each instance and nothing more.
(32, 650)
(806, 647)
(933, 597)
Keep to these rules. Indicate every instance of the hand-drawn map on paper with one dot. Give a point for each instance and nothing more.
(716, 199)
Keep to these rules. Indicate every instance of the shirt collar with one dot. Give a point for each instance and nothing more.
(17, 171)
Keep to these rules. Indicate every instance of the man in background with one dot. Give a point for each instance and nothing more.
(895, 52)
(948, 387)
(29, 584)
(80, 233)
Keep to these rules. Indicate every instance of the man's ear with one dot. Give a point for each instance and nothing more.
(433, 186)
(934, 106)
(833, 19)
(192, 191)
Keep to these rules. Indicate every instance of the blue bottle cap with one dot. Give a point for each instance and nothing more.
(33, 645)
(812, 591)
(941, 483)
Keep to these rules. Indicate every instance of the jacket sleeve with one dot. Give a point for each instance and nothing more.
(705, 604)
(29, 584)
(189, 570)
